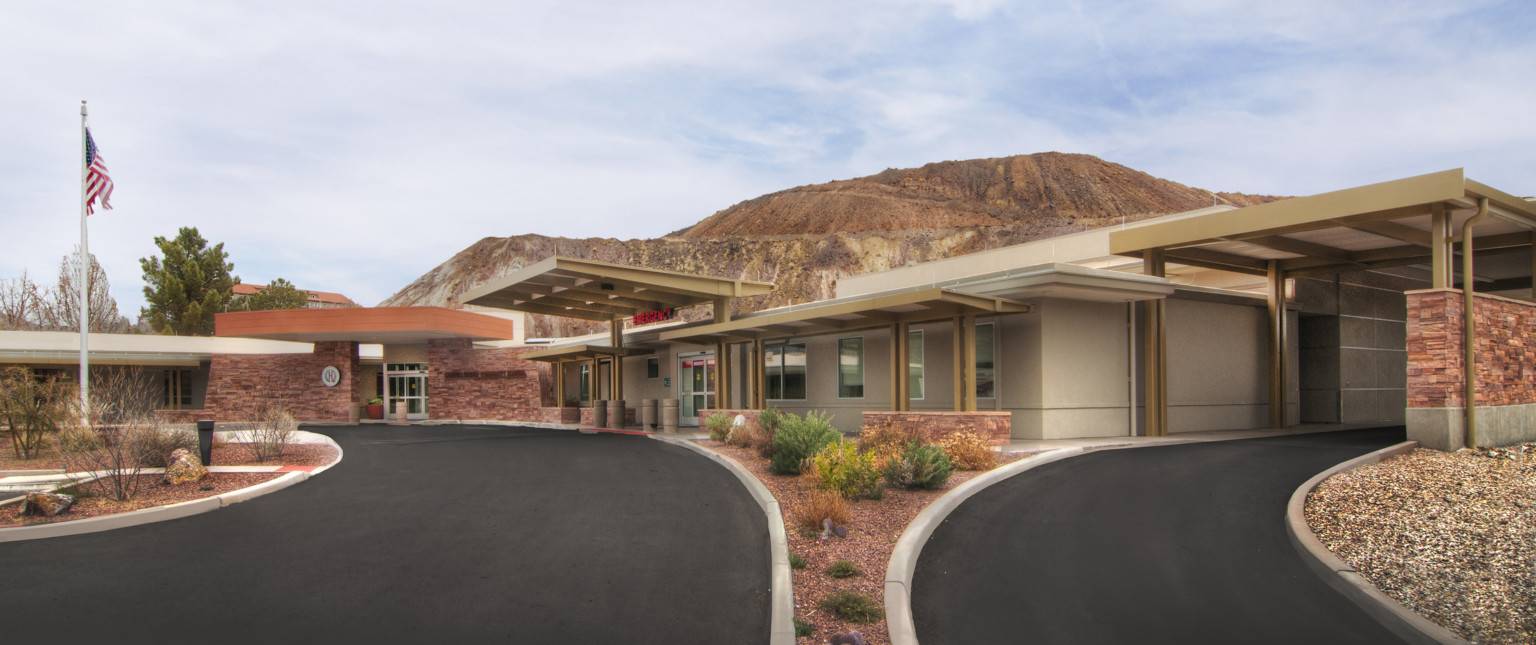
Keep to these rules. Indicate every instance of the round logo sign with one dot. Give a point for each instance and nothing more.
(330, 376)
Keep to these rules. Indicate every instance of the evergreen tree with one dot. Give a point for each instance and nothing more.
(280, 294)
(185, 290)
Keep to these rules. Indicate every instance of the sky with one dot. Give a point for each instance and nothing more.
(353, 146)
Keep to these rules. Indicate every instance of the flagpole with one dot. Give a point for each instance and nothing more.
(83, 284)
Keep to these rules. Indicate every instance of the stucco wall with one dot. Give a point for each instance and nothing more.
(1218, 366)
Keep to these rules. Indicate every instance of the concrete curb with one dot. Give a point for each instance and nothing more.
(1341, 577)
(903, 565)
(782, 620)
(165, 513)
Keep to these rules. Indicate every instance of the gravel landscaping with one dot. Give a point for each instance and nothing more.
(1452, 536)
(152, 492)
(872, 534)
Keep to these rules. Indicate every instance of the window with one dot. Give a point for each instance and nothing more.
(915, 364)
(653, 367)
(850, 368)
(784, 364)
(585, 386)
(178, 389)
(985, 353)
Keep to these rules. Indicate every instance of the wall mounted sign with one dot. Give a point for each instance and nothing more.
(648, 317)
(330, 376)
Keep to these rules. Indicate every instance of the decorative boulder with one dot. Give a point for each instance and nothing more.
(47, 504)
(185, 467)
(850, 638)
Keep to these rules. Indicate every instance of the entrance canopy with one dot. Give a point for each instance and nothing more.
(384, 325)
(1390, 224)
(593, 290)
(582, 353)
(850, 314)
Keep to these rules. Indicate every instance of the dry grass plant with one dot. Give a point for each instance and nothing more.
(823, 505)
(34, 408)
(884, 441)
(969, 451)
(270, 433)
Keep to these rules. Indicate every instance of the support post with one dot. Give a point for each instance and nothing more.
(557, 369)
(1277, 371)
(1440, 248)
(901, 386)
(967, 396)
(722, 310)
(1155, 351)
(761, 372)
(616, 364)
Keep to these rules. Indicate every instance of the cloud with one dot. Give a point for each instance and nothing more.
(352, 146)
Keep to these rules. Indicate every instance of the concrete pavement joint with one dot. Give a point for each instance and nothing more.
(903, 565)
(172, 511)
(782, 620)
(1342, 577)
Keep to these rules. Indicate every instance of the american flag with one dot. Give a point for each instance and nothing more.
(97, 182)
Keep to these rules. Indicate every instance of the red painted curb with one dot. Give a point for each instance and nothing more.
(296, 469)
(612, 431)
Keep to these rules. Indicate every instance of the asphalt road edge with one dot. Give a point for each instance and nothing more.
(903, 564)
(782, 609)
(1341, 577)
(171, 511)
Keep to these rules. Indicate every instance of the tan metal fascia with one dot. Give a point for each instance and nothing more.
(1504, 205)
(1290, 215)
(973, 303)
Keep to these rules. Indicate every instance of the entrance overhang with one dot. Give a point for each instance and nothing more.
(383, 325)
(603, 291)
(850, 314)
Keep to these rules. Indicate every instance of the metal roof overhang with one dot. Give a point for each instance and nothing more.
(1376, 226)
(386, 325)
(582, 353)
(921, 305)
(593, 290)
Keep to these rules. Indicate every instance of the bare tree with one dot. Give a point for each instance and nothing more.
(61, 308)
(20, 303)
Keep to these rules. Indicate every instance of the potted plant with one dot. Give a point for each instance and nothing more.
(375, 408)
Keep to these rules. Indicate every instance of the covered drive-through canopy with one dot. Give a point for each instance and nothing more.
(592, 290)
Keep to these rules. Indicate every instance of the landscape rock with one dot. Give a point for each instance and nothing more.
(185, 467)
(47, 504)
(850, 638)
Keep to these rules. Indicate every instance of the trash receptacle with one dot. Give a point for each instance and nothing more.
(400, 412)
(669, 415)
(648, 414)
(205, 441)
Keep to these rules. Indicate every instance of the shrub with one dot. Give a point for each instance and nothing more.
(768, 422)
(919, 466)
(114, 455)
(33, 408)
(852, 606)
(969, 451)
(823, 505)
(803, 629)
(799, 438)
(844, 569)
(270, 434)
(156, 443)
(741, 436)
(796, 562)
(884, 441)
(841, 467)
(719, 427)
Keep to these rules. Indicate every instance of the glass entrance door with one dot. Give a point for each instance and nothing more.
(696, 386)
(407, 383)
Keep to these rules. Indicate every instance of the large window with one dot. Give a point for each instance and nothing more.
(915, 364)
(785, 367)
(850, 368)
(178, 389)
(585, 386)
(986, 349)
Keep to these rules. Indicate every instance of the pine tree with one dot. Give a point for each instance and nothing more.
(280, 294)
(185, 290)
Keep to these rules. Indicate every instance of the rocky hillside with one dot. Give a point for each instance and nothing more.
(804, 239)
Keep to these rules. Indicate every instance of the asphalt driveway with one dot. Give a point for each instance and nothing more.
(426, 534)
(1168, 544)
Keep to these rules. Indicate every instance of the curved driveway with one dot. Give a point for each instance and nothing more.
(1182, 543)
(426, 534)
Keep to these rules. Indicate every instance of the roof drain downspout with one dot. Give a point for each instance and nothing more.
(1468, 327)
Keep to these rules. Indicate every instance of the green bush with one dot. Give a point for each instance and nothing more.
(841, 467)
(768, 422)
(852, 606)
(719, 427)
(803, 629)
(796, 562)
(922, 466)
(844, 569)
(799, 438)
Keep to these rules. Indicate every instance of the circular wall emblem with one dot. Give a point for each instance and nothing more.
(330, 376)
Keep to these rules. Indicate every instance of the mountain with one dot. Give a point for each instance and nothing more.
(804, 239)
